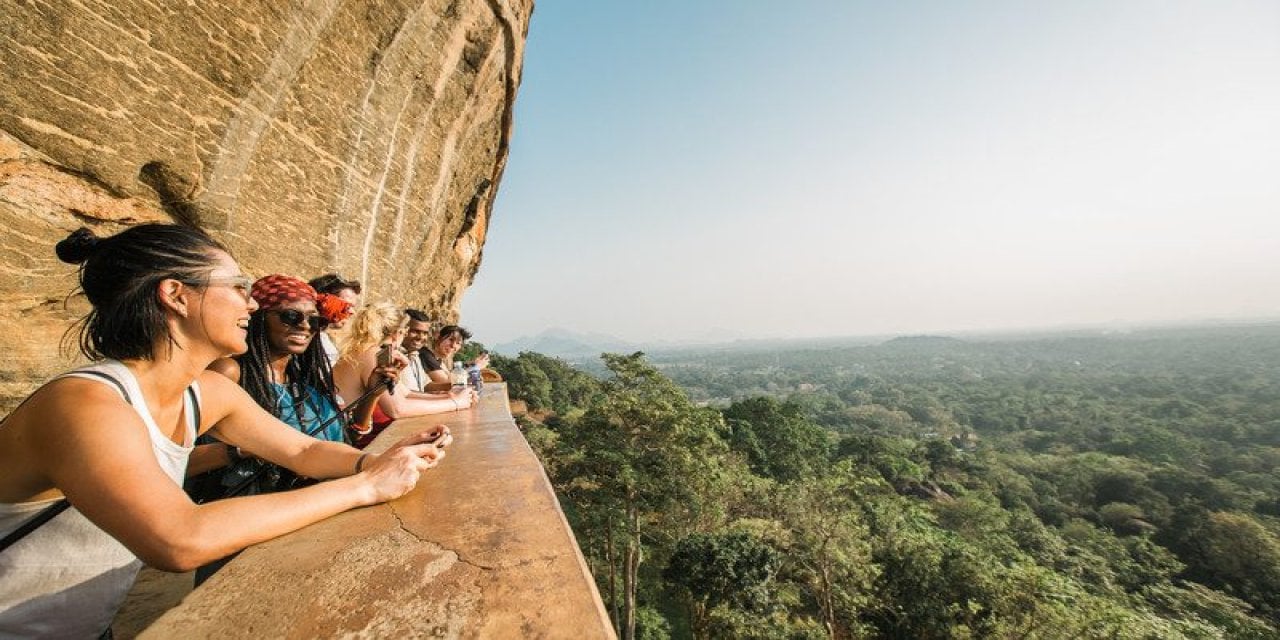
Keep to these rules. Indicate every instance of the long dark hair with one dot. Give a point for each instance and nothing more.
(311, 368)
(119, 275)
(448, 330)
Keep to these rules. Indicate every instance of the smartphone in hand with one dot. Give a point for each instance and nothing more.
(384, 355)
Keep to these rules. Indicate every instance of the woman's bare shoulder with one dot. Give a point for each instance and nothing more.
(228, 367)
(219, 396)
(71, 408)
(359, 363)
(213, 380)
(71, 395)
(54, 427)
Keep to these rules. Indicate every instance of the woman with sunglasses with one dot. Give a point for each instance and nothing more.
(91, 464)
(285, 369)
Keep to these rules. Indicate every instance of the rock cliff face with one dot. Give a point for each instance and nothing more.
(364, 137)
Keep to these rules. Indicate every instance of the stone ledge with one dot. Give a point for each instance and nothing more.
(480, 549)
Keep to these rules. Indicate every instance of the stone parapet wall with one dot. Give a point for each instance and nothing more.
(308, 135)
(480, 549)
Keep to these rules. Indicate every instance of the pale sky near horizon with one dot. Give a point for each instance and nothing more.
(693, 169)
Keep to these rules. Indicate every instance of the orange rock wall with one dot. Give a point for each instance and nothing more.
(308, 135)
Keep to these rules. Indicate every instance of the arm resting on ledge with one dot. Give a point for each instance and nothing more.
(351, 375)
(130, 497)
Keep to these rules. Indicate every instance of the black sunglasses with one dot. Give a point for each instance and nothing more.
(295, 318)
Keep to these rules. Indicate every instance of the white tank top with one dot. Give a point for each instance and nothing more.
(67, 578)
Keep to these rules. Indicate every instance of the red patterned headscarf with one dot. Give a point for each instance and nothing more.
(276, 290)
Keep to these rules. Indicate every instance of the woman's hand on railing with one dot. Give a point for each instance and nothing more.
(440, 435)
(463, 398)
(395, 472)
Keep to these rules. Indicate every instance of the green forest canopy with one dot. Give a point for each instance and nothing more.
(1119, 486)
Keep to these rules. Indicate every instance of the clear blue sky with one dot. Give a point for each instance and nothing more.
(766, 169)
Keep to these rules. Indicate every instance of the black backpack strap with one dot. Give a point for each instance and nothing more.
(195, 407)
(50, 512)
(45, 515)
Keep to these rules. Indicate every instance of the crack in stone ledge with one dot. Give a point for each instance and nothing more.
(405, 528)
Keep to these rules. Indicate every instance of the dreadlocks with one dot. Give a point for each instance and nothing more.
(310, 368)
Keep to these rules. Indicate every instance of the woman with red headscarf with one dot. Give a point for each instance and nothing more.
(286, 372)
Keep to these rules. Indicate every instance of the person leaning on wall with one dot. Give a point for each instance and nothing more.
(437, 359)
(416, 334)
(287, 373)
(376, 329)
(91, 463)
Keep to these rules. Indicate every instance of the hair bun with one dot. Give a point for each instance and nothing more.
(77, 247)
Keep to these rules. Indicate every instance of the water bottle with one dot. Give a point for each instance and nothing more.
(458, 377)
(474, 378)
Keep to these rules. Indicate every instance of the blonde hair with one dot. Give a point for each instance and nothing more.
(372, 324)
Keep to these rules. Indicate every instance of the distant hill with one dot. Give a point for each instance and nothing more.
(579, 345)
(567, 344)
(924, 341)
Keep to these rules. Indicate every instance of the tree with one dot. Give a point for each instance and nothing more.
(778, 440)
(546, 383)
(525, 380)
(1233, 553)
(830, 552)
(734, 569)
(646, 460)
(1087, 500)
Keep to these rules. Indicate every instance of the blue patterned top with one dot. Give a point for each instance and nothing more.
(316, 409)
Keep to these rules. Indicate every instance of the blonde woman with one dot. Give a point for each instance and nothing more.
(371, 328)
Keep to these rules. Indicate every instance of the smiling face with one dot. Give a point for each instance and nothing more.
(416, 335)
(449, 344)
(286, 337)
(225, 306)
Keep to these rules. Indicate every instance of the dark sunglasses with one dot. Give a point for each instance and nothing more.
(295, 318)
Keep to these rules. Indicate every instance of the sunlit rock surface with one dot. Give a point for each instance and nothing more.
(309, 136)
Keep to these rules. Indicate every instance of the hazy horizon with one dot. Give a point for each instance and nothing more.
(712, 337)
(848, 169)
